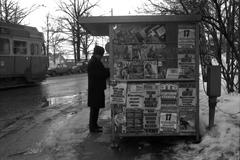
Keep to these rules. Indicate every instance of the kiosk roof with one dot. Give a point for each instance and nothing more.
(99, 25)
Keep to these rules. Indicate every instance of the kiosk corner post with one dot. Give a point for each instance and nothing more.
(213, 90)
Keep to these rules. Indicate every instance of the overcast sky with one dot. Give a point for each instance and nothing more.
(120, 7)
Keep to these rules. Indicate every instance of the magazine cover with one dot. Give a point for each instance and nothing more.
(136, 70)
(135, 95)
(162, 69)
(118, 93)
(125, 34)
(121, 69)
(172, 73)
(151, 96)
(136, 53)
(122, 52)
(168, 122)
(150, 70)
(186, 36)
(152, 51)
(155, 34)
(187, 121)
(187, 94)
(186, 64)
(168, 94)
(141, 33)
(118, 117)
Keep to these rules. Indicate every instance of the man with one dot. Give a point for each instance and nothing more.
(97, 75)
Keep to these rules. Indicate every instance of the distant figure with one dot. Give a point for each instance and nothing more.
(97, 76)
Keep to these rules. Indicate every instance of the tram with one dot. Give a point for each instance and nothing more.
(23, 60)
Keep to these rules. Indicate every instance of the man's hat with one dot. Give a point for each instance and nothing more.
(98, 50)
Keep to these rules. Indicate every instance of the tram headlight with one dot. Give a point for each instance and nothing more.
(2, 63)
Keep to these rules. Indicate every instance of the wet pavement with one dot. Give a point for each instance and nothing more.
(35, 120)
(50, 121)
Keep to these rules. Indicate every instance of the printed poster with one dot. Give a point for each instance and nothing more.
(186, 65)
(169, 94)
(187, 94)
(118, 93)
(186, 36)
(168, 122)
(187, 121)
(135, 95)
(151, 96)
(151, 120)
(134, 120)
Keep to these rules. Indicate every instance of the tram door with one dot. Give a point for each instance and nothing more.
(21, 59)
(36, 65)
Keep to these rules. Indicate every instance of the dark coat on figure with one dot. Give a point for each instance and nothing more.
(97, 75)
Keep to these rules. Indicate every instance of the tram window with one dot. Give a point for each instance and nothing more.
(20, 47)
(43, 49)
(4, 46)
(34, 49)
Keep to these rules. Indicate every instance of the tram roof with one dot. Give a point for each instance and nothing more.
(20, 30)
(99, 25)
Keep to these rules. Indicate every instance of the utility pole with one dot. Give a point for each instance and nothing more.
(111, 11)
(0, 9)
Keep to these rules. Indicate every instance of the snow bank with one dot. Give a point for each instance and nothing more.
(221, 142)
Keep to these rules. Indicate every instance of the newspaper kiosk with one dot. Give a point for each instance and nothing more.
(154, 64)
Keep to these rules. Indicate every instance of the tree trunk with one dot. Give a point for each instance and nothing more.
(54, 56)
(238, 77)
(238, 46)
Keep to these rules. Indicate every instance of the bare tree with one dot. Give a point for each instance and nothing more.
(219, 30)
(12, 12)
(55, 38)
(86, 42)
(72, 10)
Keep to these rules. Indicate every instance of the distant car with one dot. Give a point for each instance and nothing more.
(80, 67)
(61, 69)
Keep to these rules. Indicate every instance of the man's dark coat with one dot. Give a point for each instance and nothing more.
(97, 75)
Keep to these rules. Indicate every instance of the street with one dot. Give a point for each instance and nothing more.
(50, 121)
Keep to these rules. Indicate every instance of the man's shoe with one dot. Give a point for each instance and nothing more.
(95, 130)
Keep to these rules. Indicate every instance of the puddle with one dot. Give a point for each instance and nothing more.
(80, 98)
